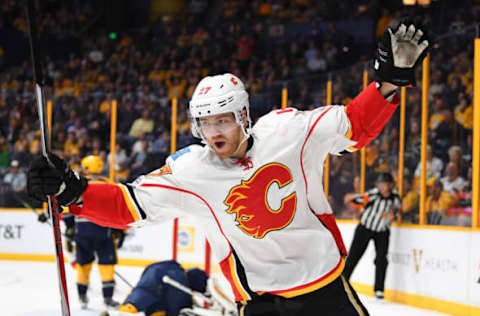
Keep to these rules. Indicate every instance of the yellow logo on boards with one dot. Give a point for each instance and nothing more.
(417, 258)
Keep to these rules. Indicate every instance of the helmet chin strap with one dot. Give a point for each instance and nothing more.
(244, 139)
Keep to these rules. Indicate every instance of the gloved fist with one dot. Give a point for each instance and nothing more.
(399, 52)
(43, 217)
(54, 177)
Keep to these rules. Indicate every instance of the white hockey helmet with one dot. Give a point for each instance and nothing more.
(217, 95)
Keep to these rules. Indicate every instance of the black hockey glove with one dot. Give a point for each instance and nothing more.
(43, 217)
(57, 179)
(399, 52)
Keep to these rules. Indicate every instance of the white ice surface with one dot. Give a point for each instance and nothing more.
(31, 289)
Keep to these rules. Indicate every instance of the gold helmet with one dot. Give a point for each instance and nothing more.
(92, 164)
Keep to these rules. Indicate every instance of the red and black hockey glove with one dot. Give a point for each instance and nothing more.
(54, 179)
(400, 51)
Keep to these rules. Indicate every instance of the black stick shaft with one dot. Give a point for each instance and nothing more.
(53, 207)
(123, 279)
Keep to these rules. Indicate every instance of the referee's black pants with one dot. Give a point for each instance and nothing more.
(357, 249)
(335, 299)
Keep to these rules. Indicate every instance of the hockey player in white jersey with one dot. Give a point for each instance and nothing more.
(257, 191)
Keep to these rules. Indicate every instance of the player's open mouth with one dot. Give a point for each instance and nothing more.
(219, 145)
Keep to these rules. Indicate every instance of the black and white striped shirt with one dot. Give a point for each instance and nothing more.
(374, 206)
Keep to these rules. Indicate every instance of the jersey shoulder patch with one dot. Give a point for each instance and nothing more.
(189, 149)
(160, 172)
(180, 153)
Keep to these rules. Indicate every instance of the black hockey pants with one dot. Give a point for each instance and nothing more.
(335, 299)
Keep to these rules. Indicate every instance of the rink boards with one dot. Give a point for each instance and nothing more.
(434, 268)
(437, 268)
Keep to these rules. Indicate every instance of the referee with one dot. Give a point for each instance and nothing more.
(380, 206)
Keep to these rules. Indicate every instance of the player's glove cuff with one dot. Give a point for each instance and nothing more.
(74, 187)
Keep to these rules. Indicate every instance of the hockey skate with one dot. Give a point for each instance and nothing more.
(83, 301)
(110, 303)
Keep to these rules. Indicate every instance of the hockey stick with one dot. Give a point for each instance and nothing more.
(200, 299)
(53, 207)
(31, 208)
(73, 262)
(123, 279)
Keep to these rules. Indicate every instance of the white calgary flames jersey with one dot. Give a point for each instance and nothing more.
(260, 214)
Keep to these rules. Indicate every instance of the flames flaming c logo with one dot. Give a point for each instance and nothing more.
(248, 201)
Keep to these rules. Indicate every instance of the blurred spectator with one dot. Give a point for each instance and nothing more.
(106, 104)
(457, 24)
(437, 115)
(317, 63)
(120, 157)
(4, 153)
(96, 55)
(162, 143)
(463, 208)
(434, 165)
(452, 182)
(138, 166)
(15, 178)
(244, 48)
(438, 203)
(437, 85)
(122, 174)
(441, 135)
(142, 125)
(72, 144)
(410, 202)
(59, 140)
(464, 113)
(383, 22)
(304, 100)
(176, 87)
(22, 154)
(413, 143)
(348, 210)
(126, 114)
(455, 156)
(455, 88)
(139, 143)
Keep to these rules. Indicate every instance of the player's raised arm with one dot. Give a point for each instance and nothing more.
(399, 52)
